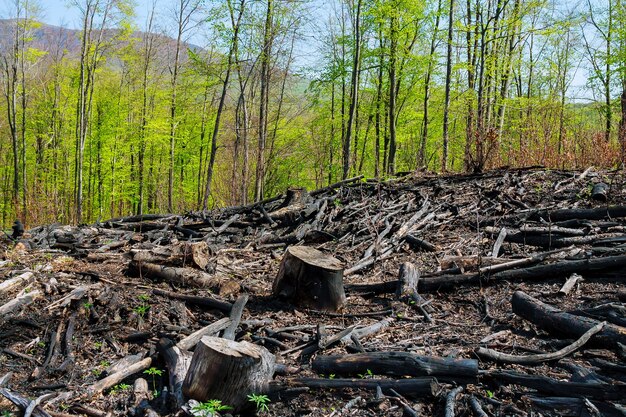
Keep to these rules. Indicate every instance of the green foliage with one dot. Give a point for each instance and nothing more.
(260, 401)
(527, 116)
(368, 374)
(209, 408)
(141, 309)
(119, 388)
(154, 372)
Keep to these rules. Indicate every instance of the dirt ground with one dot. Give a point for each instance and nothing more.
(89, 310)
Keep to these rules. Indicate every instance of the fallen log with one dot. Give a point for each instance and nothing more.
(573, 407)
(229, 371)
(9, 284)
(553, 320)
(451, 401)
(181, 254)
(599, 192)
(32, 407)
(542, 357)
(539, 272)
(311, 279)
(551, 386)
(570, 284)
(418, 243)
(18, 302)
(410, 387)
(578, 213)
(177, 275)
(551, 241)
(396, 364)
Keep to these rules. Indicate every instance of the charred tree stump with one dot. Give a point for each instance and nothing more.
(407, 289)
(599, 192)
(556, 321)
(228, 371)
(310, 278)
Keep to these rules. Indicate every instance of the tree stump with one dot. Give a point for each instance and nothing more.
(310, 278)
(228, 371)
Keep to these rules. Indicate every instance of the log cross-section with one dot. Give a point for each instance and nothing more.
(228, 371)
(310, 278)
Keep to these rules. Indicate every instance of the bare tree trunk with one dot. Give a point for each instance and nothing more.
(216, 127)
(11, 79)
(148, 41)
(379, 97)
(431, 58)
(393, 49)
(446, 109)
(354, 91)
(264, 99)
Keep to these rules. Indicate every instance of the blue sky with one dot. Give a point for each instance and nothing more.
(60, 12)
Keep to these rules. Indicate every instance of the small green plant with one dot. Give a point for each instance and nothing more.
(209, 408)
(96, 372)
(98, 345)
(105, 363)
(6, 413)
(331, 376)
(367, 374)
(119, 388)
(154, 372)
(41, 344)
(489, 394)
(87, 305)
(260, 400)
(141, 310)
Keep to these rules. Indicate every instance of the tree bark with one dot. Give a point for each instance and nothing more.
(229, 371)
(556, 321)
(446, 106)
(396, 364)
(311, 279)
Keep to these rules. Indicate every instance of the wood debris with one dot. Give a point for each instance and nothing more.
(495, 294)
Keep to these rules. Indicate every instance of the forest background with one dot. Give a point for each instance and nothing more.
(190, 105)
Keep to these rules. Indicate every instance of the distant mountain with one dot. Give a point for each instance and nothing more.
(57, 39)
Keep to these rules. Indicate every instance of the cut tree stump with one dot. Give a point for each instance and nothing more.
(228, 371)
(310, 278)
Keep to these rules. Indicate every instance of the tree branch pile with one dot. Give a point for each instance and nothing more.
(493, 294)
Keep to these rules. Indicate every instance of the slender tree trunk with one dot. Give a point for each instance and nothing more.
(354, 91)
(431, 61)
(331, 143)
(220, 107)
(22, 60)
(147, 60)
(11, 80)
(379, 97)
(264, 101)
(393, 49)
(81, 108)
(173, 102)
(281, 99)
(446, 108)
